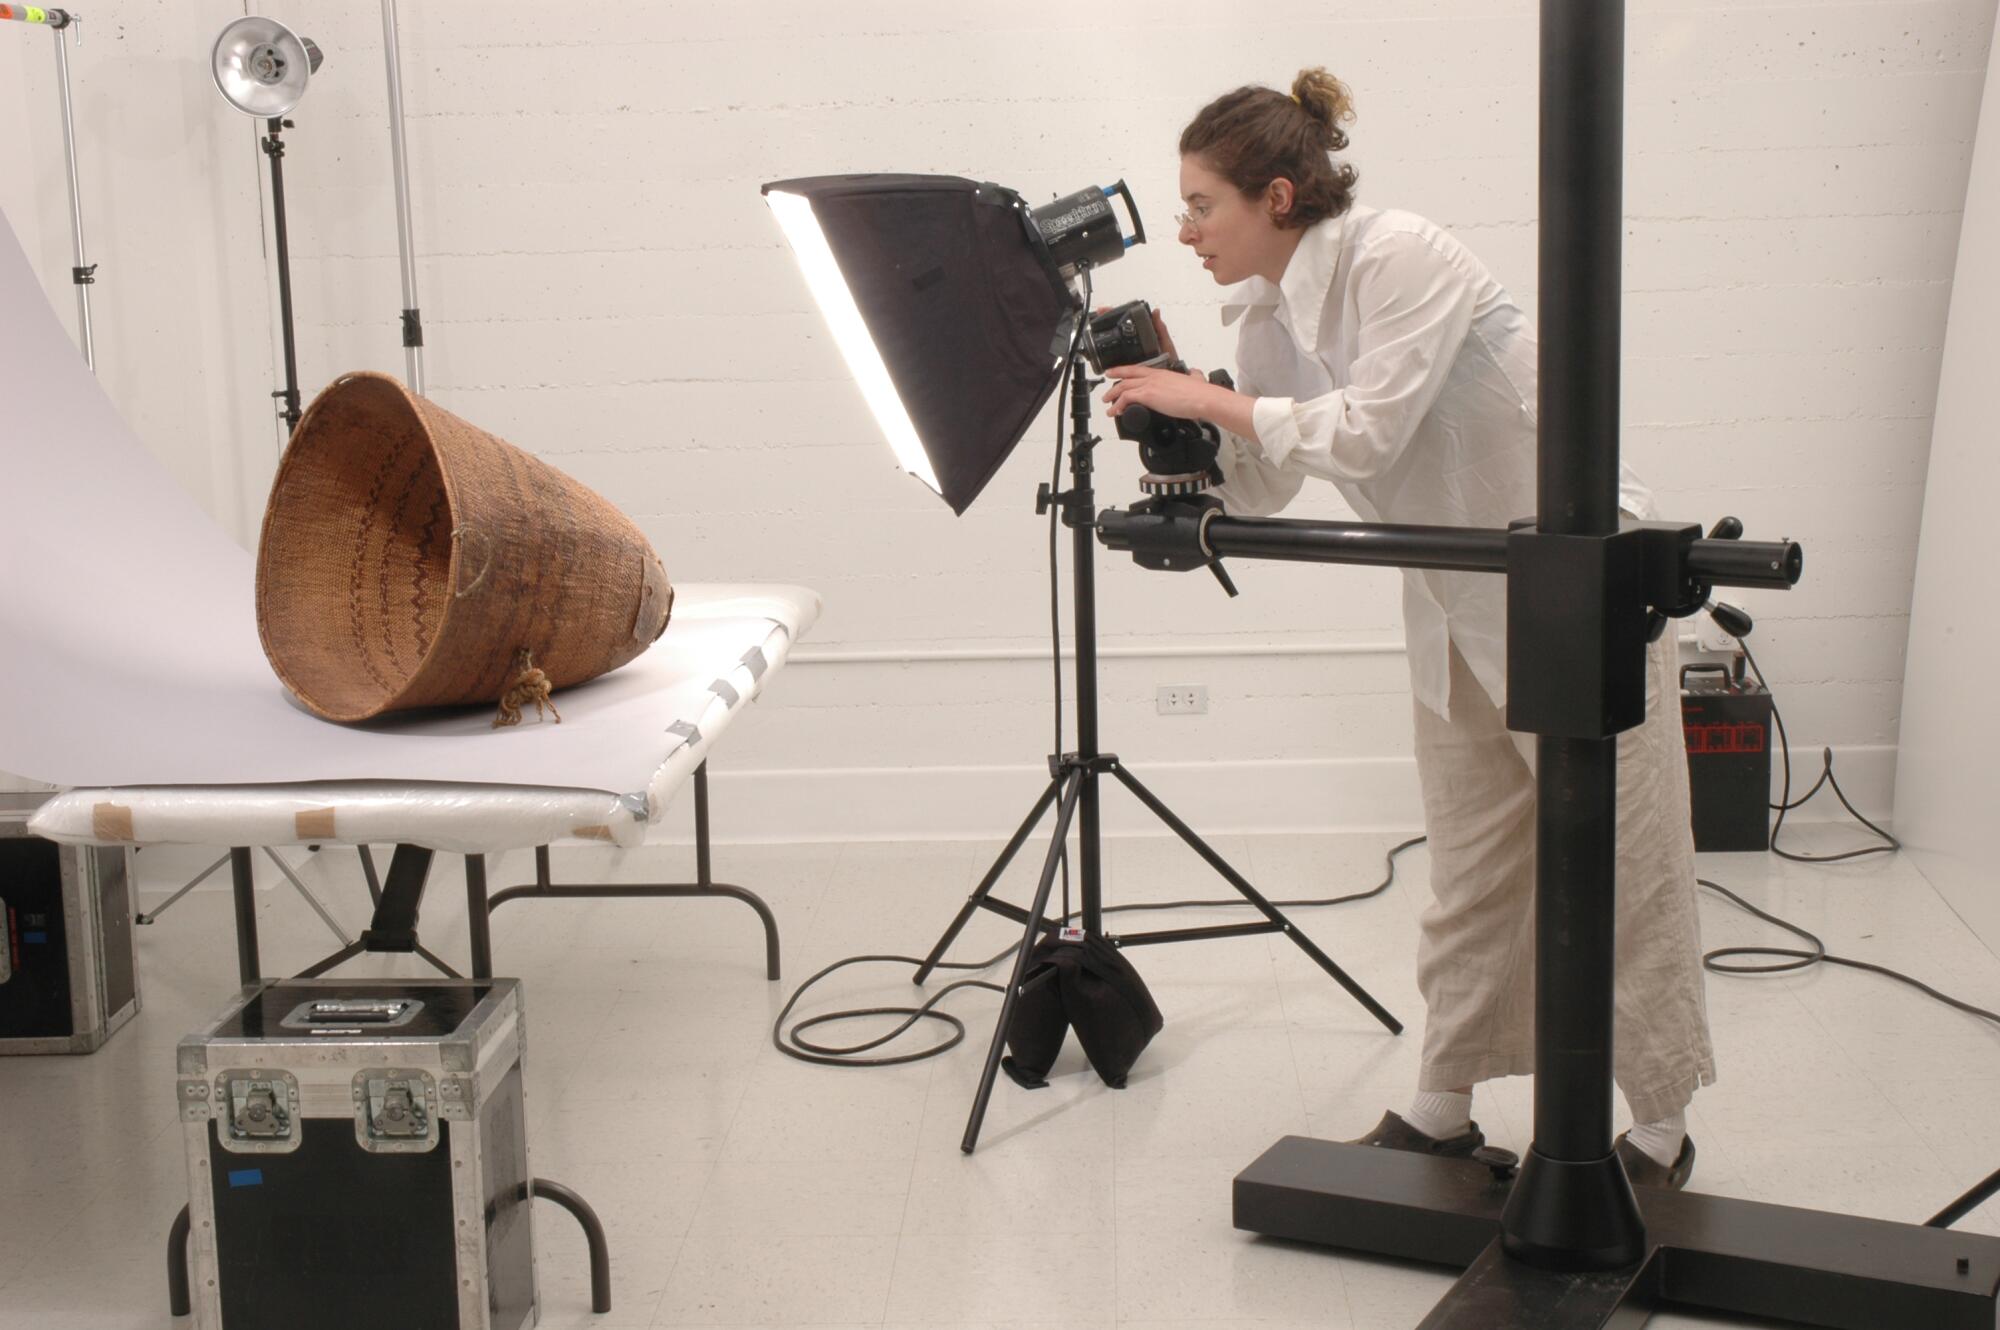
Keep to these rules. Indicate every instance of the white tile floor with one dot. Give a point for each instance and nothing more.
(744, 1189)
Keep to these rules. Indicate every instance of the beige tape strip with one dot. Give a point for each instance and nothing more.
(313, 824)
(111, 822)
(591, 833)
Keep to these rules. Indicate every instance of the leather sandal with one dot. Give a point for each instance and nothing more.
(1392, 1133)
(1646, 1171)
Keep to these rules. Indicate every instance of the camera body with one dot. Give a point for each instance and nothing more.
(1126, 335)
(1179, 455)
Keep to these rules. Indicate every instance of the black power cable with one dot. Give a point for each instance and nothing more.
(1795, 959)
(1786, 803)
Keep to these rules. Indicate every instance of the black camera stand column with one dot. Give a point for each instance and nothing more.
(1073, 782)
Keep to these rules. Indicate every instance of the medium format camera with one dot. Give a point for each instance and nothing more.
(1179, 455)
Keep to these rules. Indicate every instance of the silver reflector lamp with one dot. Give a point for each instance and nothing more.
(261, 67)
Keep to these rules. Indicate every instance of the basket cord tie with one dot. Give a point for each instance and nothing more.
(529, 685)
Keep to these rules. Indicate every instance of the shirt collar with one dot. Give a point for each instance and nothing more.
(1300, 296)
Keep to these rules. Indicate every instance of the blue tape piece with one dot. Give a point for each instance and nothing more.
(246, 1177)
(35, 937)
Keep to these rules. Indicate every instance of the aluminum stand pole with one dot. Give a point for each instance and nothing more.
(413, 327)
(82, 272)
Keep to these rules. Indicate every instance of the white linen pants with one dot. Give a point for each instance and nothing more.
(1476, 958)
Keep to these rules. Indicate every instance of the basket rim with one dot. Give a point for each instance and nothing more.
(412, 403)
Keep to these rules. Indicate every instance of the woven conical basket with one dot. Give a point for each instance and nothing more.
(409, 559)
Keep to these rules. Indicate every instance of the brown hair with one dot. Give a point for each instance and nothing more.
(1255, 135)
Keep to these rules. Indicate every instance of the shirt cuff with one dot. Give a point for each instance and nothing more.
(1277, 429)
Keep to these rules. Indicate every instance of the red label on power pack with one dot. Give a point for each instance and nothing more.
(1722, 737)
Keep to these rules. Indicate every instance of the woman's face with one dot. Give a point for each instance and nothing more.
(1233, 236)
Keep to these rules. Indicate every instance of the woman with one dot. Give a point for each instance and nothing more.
(1378, 353)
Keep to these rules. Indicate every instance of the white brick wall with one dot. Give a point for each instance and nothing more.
(602, 284)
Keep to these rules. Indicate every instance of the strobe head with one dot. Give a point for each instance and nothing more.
(261, 67)
(1081, 229)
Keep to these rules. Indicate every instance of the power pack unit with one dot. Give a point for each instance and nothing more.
(357, 1155)
(67, 975)
(1727, 720)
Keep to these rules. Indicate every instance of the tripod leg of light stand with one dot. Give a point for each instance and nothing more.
(153, 916)
(1072, 787)
(311, 899)
(1966, 1204)
(979, 893)
(1256, 898)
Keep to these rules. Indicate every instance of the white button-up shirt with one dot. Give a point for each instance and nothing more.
(1389, 361)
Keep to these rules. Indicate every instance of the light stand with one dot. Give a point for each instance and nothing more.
(1568, 1244)
(262, 68)
(83, 272)
(1073, 782)
(274, 152)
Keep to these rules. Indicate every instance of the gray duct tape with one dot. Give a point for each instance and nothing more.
(688, 733)
(754, 660)
(635, 804)
(729, 696)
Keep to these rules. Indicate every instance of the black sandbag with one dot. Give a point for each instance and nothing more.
(1108, 1003)
(1087, 983)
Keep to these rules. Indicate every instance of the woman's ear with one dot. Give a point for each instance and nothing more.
(1279, 196)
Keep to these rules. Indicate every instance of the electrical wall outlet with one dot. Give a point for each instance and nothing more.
(1183, 699)
(1708, 634)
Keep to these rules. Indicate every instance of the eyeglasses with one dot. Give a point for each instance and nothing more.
(1194, 216)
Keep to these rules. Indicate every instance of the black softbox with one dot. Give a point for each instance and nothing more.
(961, 305)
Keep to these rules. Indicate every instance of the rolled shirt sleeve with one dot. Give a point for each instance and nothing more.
(1414, 310)
(1252, 484)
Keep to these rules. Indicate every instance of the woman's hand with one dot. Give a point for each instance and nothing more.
(1164, 390)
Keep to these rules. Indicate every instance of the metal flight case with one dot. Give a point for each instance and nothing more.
(67, 975)
(357, 1155)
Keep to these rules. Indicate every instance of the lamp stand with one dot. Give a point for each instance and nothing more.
(1073, 784)
(274, 150)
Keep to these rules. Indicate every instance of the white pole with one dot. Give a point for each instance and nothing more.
(413, 328)
(81, 273)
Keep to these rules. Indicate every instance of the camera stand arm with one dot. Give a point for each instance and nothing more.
(1176, 535)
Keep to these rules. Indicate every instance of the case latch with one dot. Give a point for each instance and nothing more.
(395, 1110)
(259, 1111)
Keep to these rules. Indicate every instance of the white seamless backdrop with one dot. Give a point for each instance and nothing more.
(602, 284)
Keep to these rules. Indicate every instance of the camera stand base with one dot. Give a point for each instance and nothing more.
(1705, 1252)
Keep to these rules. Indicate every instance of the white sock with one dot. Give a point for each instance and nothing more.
(1660, 1140)
(1440, 1116)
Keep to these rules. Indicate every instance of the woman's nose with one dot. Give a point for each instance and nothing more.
(1188, 233)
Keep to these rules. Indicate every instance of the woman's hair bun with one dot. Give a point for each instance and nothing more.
(1327, 100)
